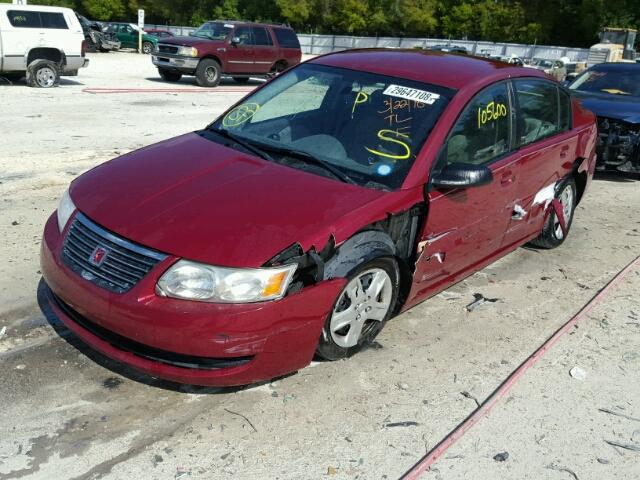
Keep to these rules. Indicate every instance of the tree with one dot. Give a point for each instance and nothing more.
(104, 9)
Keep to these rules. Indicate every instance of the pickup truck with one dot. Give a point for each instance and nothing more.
(237, 49)
(41, 42)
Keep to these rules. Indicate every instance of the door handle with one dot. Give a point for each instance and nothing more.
(507, 179)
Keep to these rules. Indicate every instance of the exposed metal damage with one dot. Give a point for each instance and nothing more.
(618, 145)
(394, 236)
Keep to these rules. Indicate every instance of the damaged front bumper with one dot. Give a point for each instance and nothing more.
(618, 145)
(183, 341)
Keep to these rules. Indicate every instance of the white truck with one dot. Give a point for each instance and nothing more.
(41, 42)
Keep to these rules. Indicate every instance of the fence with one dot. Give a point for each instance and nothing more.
(319, 44)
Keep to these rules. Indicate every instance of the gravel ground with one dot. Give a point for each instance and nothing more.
(68, 412)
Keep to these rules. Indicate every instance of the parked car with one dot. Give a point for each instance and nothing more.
(612, 92)
(41, 42)
(449, 49)
(553, 68)
(159, 33)
(239, 49)
(349, 188)
(127, 34)
(97, 40)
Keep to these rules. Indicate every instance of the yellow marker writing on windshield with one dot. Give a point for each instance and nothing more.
(360, 98)
(382, 136)
(240, 115)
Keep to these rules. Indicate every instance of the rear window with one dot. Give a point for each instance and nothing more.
(31, 19)
(53, 20)
(287, 38)
(24, 19)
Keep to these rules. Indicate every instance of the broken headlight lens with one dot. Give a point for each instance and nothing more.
(65, 210)
(205, 283)
(188, 51)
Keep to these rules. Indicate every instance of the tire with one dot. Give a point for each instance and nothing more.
(147, 48)
(208, 73)
(277, 69)
(356, 318)
(551, 235)
(241, 79)
(169, 75)
(43, 74)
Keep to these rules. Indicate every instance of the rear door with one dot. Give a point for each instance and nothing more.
(265, 52)
(547, 150)
(465, 227)
(240, 55)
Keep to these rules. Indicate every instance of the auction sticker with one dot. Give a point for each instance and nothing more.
(414, 94)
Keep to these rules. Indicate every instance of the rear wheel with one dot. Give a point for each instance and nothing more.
(363, 307)
(552, 235)
(147, 48)
(43, 74)
(208, 73)
(169, 75)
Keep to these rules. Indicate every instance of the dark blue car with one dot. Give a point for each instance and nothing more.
(612, 92)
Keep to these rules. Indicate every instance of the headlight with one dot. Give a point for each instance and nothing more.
(188, 51)
(65, 210)
(205, 283)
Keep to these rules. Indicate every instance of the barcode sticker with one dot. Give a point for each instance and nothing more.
(414, 94)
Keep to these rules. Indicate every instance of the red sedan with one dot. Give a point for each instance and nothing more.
(346, 190)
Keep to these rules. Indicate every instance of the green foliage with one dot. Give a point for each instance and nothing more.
(557, 22)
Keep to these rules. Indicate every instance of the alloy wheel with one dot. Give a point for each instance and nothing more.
(364, 302)
(45, 77)
(566, 200)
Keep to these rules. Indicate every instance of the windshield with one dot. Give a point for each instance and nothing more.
(614, 82)
(213, 31)
(369, 127)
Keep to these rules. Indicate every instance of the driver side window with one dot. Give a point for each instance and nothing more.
(482, 133)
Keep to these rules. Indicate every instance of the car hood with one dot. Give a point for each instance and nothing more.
(197, 199)
(618, 107)
(190, 41)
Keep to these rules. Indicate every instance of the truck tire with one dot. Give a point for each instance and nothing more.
(208, 73)
(169, 75)
(43, 74)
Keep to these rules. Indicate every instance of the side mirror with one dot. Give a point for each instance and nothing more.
(235, 40)
(461, 175)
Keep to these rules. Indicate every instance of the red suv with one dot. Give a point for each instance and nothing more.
(238, 49)
(343, 191)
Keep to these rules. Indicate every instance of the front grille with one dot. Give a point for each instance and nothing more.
(167, 49)
(104, 258)
(145, 351)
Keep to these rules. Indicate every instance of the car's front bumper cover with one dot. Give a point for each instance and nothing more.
(175, 62)
(187, 342)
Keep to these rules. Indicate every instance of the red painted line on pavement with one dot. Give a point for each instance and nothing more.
(166, 90)
(432, 456)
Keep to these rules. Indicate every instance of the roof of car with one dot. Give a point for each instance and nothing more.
(438, 68)
(617, 66)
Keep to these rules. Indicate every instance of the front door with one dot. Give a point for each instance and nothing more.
(240, 54)
(465, 226)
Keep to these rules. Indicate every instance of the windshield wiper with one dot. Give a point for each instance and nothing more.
(309, 158)
(243, 143)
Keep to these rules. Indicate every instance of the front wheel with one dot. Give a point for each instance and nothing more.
(208, 73)
(363, 307)
(552, 235)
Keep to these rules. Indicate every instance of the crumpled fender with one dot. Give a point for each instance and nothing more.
(362, 247)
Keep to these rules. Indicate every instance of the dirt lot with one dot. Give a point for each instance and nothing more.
(67, 412)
